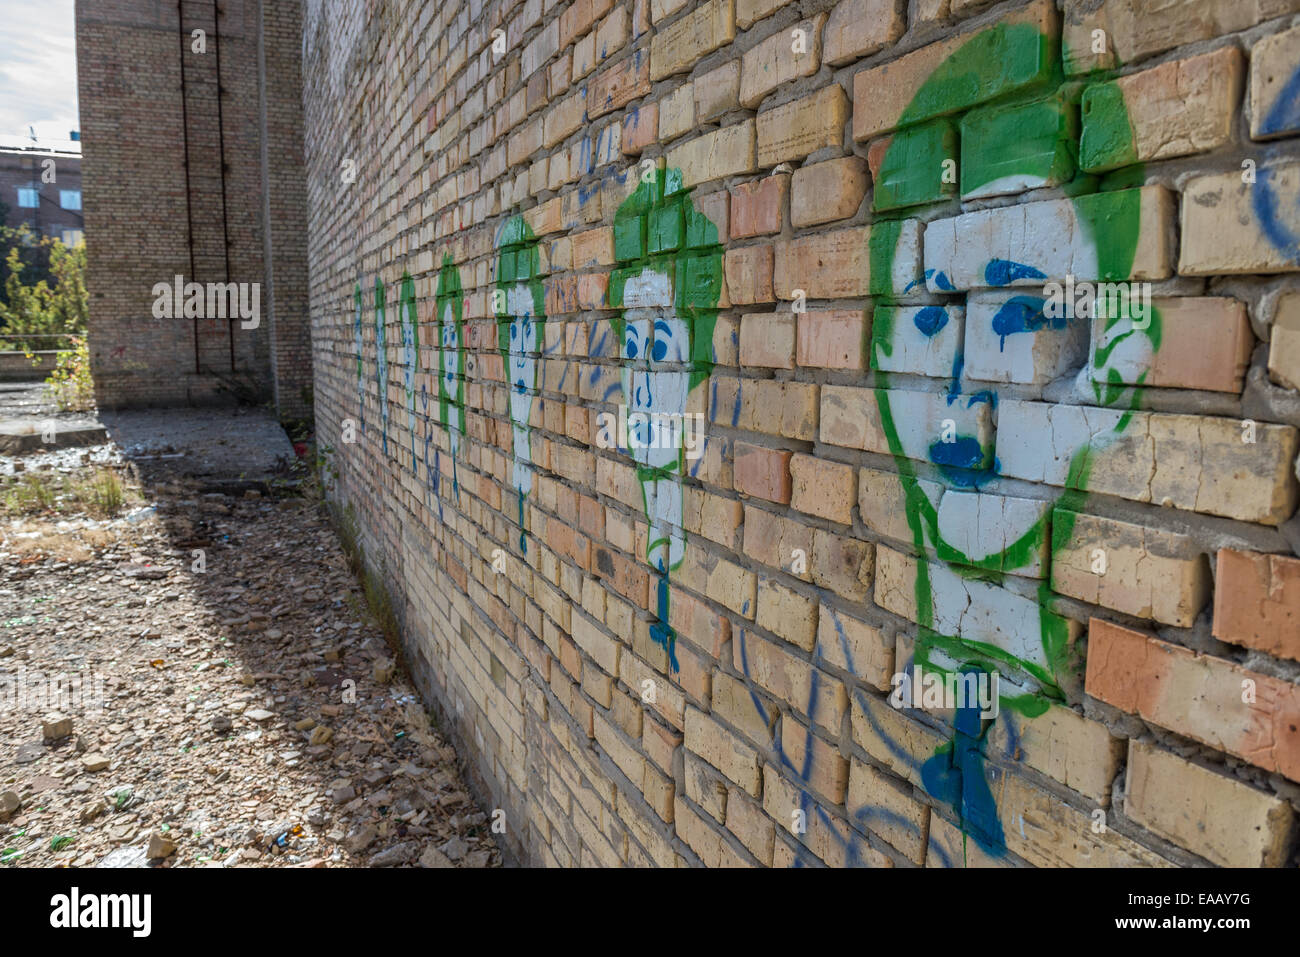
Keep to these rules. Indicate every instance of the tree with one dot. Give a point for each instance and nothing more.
(44, 292)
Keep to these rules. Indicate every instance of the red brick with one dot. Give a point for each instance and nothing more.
(1196, 695)
(832, 339)
(639, 129)
(1257, 602)
(762, 472)
(757, 206)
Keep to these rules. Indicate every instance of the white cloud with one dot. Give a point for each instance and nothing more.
(38, 70)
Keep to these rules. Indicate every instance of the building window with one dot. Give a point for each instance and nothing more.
(70, 198)
(73, 236)
(28, 197)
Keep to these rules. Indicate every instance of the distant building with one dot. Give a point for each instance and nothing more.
(41, 188)
(191, 132)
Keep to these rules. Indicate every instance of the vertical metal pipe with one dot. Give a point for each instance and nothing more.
(185, 139)
(221, 143)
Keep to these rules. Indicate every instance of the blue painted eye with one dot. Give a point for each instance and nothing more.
(660, 349)
(930, 320)
(514, 330)
(631, 348)
(519, 386)
(1003, 272)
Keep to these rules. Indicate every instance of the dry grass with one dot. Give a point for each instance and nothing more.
(33, 540)
(99, 492)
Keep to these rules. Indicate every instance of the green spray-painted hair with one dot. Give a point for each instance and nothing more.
(450, 293)
(659, 228)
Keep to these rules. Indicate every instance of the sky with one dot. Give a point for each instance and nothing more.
(38, 72)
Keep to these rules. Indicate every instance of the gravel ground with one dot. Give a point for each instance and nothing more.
(224, 698)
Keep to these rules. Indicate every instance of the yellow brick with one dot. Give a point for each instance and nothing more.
(676, 47)
(1218, 817)
(884, 805)
(722, 749)
(856, 647)
(721, 153)
(733, 702)
(676, 113)
(752, 827)
(705, 786)
(787, 614)
(794, 130)
(779, 59)
(820, 764)
(1147, 572)
(1080, 753)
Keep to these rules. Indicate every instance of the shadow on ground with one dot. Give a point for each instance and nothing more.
(236, 703)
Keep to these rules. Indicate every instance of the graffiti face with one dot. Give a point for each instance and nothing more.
(410, 357)
(518, 302)
(451, 367)
(965, 537)
(450, 384)
(668, 287)
(522, 376)
(655, 385)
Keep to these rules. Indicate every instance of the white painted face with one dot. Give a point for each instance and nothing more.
(409, 358)
(522, 351)
(450, 351)
(655, 389)
(522, 372)
(450, 346)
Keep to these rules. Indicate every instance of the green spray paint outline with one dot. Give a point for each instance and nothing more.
(674, 238)
(517, 240)
(1115, 240)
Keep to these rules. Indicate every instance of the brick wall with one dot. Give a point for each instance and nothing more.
(858, 240)
(149, 219)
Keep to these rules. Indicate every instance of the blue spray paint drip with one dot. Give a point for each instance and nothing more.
(1003, 272)
(958, 364)
(930, 320)
(955, 775)
(523, 536)
(1024, 314)
(433, 476)
(661, 633)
